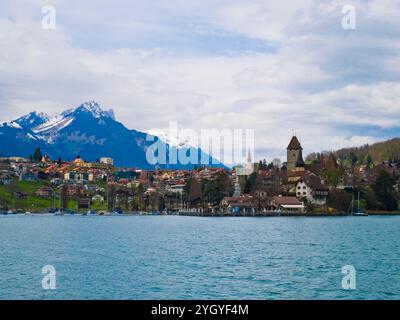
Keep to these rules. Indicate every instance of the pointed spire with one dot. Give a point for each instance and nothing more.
(249, 157)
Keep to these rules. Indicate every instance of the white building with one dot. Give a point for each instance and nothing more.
(312, 189)
(106, 160)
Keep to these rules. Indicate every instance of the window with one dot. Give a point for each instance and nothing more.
(304, 193)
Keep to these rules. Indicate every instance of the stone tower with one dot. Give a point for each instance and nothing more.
(294, 155)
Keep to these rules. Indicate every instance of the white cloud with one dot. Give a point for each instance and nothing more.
(320, 80)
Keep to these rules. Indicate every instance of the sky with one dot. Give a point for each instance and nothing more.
(269, 66)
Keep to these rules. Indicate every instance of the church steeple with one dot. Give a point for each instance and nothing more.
(249, 157)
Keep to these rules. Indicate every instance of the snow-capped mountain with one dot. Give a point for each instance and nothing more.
(171, 141)
(32, 120)
(88, 131)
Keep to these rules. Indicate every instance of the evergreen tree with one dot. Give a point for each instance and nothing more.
(369, 161)
(37, 156)
(385, 192)
(264, 163)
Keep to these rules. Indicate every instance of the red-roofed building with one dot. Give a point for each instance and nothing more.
(287, 204)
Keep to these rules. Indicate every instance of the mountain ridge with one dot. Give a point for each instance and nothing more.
(88, 131)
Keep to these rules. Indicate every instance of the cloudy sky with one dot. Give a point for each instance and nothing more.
(266, 65)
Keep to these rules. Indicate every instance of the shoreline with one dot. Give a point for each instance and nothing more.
(209, 215)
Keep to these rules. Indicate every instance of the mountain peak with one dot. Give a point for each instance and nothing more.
(93, 108)
(32, 120)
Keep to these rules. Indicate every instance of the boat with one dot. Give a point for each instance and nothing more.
(58, 213)
(358, 213)
(28, 213)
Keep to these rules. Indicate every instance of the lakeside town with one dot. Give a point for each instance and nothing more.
(323, 185)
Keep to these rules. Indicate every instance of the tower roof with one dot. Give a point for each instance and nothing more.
(294, 144)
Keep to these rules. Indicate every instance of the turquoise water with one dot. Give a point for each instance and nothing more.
(171, 257)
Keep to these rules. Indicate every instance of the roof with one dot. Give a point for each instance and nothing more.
(287, 201)
(244, 201)
(294, 144)
(314, 182)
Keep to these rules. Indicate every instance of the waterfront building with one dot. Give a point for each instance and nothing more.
(287, 204)
(312, 188)
(237, 205)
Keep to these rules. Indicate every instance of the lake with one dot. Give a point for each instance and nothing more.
(173, 257)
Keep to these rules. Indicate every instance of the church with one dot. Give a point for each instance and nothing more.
(295, 160)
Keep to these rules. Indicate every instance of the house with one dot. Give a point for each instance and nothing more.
(20, 195)
(56, 181)
(5, 180)
(105, 160)
(243, 204)
(311, 188)
(175, 188)
(5, 167)
(46, 159)
(44, 192)
(126, 174)
(287, 204)
(28, 176)
(79, 162)
(78, 176)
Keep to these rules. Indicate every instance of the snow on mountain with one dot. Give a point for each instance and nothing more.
(54, 123)
(171, 141)
(32, 120)
(91, 107)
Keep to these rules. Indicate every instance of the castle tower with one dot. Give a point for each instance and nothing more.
(294, 155)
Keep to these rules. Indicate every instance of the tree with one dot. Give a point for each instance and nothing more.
(250, 183)
(264, 163)
(193, 191)
(111, 197)
(37, 156)
(339, 200)
(369, 161)
(385, 192)
(216, 189)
